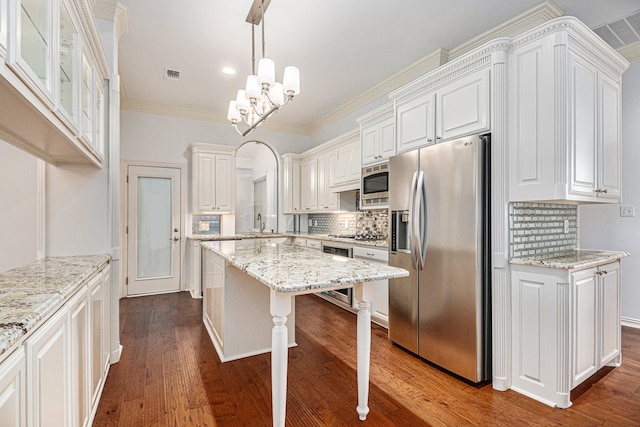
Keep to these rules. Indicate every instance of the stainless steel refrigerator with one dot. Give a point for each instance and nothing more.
(439, 208)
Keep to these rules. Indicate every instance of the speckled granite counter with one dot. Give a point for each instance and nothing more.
(287, 268)
(30, 293)
(217, 237)
(573, 260)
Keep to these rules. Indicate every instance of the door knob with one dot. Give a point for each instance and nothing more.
(175, 239)
(175, 230)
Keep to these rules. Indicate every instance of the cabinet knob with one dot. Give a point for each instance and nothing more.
(429, 140)
(438, 138)
(175, 239)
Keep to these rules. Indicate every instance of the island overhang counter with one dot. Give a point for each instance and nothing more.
(286, 271)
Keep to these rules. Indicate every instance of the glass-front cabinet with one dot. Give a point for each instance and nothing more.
(31, 52)
(100, 117)
(68, 52)
(86, 101)
(3, 28)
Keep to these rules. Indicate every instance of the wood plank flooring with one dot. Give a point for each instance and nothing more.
(170, 375)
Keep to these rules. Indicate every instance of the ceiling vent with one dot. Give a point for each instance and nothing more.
(171, 74)
(621, 33)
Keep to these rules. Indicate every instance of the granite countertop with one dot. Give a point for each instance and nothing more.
(30, 293)
(288, 268)
(216, 237)
(572, 260)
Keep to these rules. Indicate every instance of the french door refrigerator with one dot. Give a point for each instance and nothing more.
(439, 208)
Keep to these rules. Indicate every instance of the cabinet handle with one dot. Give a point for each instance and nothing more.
(429, 140)
(605, 272)
(600, 190)
(438, 138)
(369, 254)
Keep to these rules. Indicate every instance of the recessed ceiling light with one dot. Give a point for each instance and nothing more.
(229, 70)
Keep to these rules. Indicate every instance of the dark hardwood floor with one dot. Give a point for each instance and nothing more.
(170, 375)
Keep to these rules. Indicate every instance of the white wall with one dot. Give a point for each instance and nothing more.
(77, 210)
(155, 138)
(18, 207)
(601, 227)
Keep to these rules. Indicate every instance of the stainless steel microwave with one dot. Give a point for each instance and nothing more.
(374, 192)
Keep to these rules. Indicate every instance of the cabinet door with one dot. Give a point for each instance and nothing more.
(327, 200)
(387, 131)
(585, 323)
(309, 184)
(370, 145)
(13, 400)
(224, 170)
(415, 121)
(347, 164)
(380, 303)
(463, 107)
(79, 336)
(48, 363)
(213, 297)
(195, 271)
(69, 54)
(87, 105)
(206, 181)
(3, 28)
(582, 125)
(291, 185)
(31, 54)
(609, 138)
(609, 312)
(97, 323)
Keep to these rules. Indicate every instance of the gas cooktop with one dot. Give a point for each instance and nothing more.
(366, 237)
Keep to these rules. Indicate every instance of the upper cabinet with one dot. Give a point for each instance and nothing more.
(564, 106)
(53, 62)
(457, 109)
(212, 179)
(378, 135)
(346, 174)
(291, 183)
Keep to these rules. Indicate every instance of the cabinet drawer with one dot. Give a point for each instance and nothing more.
(315, 244)
(373, 254)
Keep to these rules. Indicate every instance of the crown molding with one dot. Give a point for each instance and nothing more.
(189, 113)
(631, 52)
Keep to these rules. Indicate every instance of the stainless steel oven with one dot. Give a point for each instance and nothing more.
(374, 191)
(342, 297)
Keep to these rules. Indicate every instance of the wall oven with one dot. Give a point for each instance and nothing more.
(343, 297)
(374, 191)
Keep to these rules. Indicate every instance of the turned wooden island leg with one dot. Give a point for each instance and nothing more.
(280, 309)
(364, 296)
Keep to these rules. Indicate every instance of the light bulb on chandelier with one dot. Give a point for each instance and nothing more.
(263, 95)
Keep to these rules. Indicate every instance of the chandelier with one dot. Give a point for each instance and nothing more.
(263, 95)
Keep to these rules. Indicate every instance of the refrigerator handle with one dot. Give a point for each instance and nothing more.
(412, 220)
(419, 225)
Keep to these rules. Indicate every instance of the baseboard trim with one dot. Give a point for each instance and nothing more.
(630, 322)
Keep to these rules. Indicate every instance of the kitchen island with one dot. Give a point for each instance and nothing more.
(286, 271)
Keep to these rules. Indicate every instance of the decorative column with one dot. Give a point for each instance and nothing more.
(500, 287)
(364, 296)
(280, 308)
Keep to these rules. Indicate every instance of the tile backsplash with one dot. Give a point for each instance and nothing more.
(539, 229)
(374, 221)
(205, 224)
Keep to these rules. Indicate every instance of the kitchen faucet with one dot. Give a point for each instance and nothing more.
(260, 223)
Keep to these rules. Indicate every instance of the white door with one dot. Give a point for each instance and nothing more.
(153, 220)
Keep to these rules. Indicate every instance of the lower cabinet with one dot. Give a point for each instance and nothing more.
(194, 269)
(13, 397)
(56, 377)
(213, 296)
(566, 327)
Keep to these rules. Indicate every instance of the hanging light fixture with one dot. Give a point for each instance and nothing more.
(263, 95)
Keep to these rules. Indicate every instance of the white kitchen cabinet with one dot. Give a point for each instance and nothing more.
(212, 179)
(380, 302)
(31, 51)
(213, 276)
(291, 183)
(314, 244)
(13, 398)
(67, 108)
(377, 135)
(195, 271)
(309, 184)
(80, 356)
(564, 102)
(566, 327)
(41, 94)
(327, 200)
(457, 109)
(48, 365)
(100, 334)
(236, 310)
(347, 166)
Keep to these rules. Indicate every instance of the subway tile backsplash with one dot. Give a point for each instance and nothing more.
(374, 221)
(537, 229)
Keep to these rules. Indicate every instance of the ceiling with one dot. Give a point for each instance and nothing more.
(342, 48)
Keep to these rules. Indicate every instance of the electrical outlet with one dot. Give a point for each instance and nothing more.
(310, 224)
(315, 222)
(346, 223)
(627, 210)
(566, 226)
